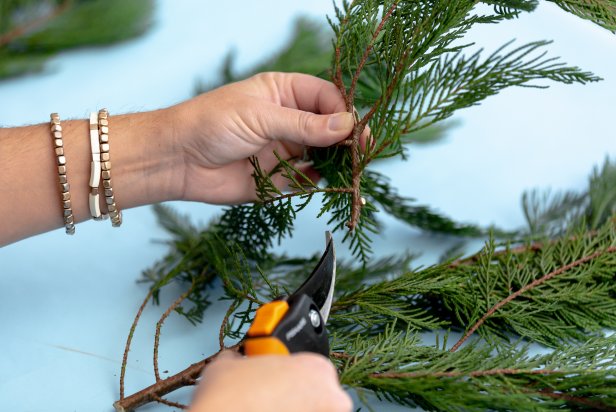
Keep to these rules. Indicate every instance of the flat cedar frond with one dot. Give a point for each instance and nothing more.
(550, 214)
(512, 8)
(397, 367)
(601, 12)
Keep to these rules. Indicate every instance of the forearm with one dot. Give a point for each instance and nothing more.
(146, 168)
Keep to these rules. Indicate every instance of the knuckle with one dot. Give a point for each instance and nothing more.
(317, 362)
(264, 76)
(304, 121)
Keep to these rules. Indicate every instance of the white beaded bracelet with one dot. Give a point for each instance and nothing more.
(95, 170)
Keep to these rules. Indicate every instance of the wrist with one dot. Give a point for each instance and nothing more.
(148, 164)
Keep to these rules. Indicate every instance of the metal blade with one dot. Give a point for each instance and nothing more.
(320, 284)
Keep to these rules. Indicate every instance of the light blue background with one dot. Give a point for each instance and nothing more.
(66, 303)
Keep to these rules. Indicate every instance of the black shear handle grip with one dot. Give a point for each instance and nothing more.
(285, 327)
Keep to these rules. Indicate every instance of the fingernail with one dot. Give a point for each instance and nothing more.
(341, 121)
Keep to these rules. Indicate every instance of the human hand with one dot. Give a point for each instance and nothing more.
(303, 382)
(218, 131)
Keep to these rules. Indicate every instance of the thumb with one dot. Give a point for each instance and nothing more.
(228, 354)
(307, 128)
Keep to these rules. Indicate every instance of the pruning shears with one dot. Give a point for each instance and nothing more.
(296, 323)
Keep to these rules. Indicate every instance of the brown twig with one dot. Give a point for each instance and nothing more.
(528, 287)
(159, 325)
(337, 77)
(495, 372)
(223, 325)
(596, 406)
(165, 386)
(356, 203)
(169, 403)
(309, 192)
(364, 58)
(472, 374)
(533, 247)
(129, 340)
(30, 26)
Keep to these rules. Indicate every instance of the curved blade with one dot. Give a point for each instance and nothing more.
(320, 284)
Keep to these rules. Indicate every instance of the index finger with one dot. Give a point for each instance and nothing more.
(308, 93)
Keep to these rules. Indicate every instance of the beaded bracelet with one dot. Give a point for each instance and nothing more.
(67, 211)
(95, 170)
(103, 131)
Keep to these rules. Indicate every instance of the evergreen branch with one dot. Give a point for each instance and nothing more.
(597, 406)
(129, 340)
(600, 12)
(159, 325)
(509, 9)
(69, 24)
(30, 26)
(471, 374)
(163, 387)
(528, 287)
(397, 367)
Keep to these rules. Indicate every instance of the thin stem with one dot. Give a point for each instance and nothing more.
(309, 192)
(129, 340)
(161, 388)
(364, 58)
(169, 403)
(223, 325)
(534, 247)
(528, 287)
(337, 77)
(159, 325)
(472, 374)
(356, 203)
(597, 406)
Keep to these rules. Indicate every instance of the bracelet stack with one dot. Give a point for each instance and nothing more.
(103, 132)
(67, 212)
(100, 167)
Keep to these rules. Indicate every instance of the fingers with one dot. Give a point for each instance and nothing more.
(305, 128)
(304, 382)
(319, 368)
(305, 92)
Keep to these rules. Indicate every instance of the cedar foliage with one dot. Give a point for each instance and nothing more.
(405, 67)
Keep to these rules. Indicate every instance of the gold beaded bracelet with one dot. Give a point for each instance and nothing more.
(103, 132)
(67, 211)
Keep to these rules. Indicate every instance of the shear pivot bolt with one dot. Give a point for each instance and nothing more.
(315, 319)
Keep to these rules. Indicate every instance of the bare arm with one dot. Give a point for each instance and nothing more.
(142, 154)
(197, 150)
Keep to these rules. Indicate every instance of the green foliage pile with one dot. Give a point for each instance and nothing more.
(32, 31)
(405, 67)
(382, 312)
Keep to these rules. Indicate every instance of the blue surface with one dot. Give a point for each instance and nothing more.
(66, 303)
